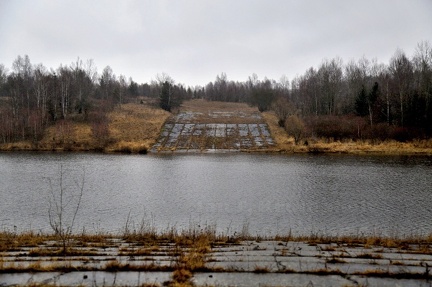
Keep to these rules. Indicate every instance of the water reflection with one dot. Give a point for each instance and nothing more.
(270, 194)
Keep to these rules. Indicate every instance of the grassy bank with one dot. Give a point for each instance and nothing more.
(285, 144)
(131, 128)
(134, 128)
(46, 244)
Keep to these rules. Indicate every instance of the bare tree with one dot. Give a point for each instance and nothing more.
(401, 71)
(330, 78)
(3, 77)
(83, 84)
(106, 82)
(65, 83)
(422, 61)
(282, 109)
(64, 205)
(123, 86)
(220, 87)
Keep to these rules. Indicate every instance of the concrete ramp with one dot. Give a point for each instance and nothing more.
(214, 131)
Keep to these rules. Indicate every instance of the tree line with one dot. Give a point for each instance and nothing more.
(33, 97)
(359, 99)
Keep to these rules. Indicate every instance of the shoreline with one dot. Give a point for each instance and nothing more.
(384, 149)
(136, 128)
(202, 258)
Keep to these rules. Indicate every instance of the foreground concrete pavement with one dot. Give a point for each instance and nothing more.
(248, 263)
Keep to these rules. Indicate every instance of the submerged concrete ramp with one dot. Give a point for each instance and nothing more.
(214, 131)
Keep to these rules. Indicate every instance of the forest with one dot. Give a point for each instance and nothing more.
(360, 99)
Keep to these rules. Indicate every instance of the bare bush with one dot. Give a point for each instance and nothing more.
(295, 127)
(64, 205)
(100, 127)
(337, 127)
(282, 109)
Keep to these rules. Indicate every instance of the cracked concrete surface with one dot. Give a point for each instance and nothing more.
(215, 130)
(248, 263)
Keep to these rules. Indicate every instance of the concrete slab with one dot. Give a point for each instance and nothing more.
(185, 132)
(249, 263)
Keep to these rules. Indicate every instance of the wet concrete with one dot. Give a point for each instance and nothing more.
(249, 263)
(194, 131)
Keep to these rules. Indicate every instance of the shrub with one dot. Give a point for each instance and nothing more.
(295, 127)
(100, 127)
(337, 127)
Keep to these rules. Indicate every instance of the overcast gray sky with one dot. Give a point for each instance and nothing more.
(195, 40)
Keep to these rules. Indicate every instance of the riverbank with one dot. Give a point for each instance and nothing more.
(285, 144)
(136, 128)
(200, 257)
(131, 128)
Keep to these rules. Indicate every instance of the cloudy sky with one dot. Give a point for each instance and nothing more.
(195, 40)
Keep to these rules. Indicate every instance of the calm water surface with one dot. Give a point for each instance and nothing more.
(267, 194)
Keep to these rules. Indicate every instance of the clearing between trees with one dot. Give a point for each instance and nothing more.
(208, 126)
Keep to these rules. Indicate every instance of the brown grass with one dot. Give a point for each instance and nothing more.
(207, 112)
(367, 147)
(10, 241)
(67, 136)
(133, 128)
(282, 140)
(189, 252)
(285, 143)
(204, 106)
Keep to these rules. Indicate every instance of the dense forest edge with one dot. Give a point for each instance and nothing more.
(360, 106)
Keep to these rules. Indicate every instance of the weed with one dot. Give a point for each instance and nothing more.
(114, 265)
(261, 269)
(144, 251)
(181, 275)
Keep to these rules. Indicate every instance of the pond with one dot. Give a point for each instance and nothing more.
(264, 194)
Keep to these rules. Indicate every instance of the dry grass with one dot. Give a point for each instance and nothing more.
(189, 252)
(10, 241)
(196, 256)
(207, 112)
(135, 127)
(142, 251)
(282, 140)
(204, 106)
(18, 146)
(415, 244)
(285, 143)
(67, 136)
(182, 275)
(368, 147)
